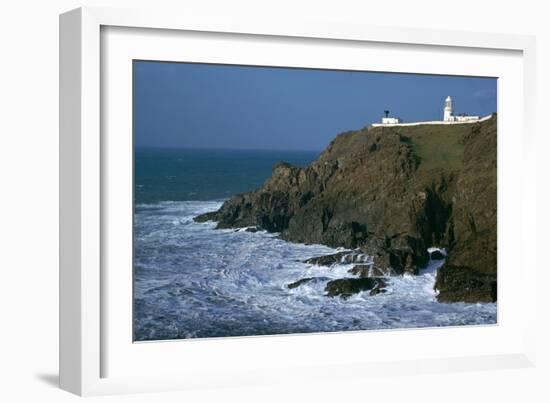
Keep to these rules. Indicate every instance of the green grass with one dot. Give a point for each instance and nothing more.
(437, 147)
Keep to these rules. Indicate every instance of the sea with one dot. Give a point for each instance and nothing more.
(194, 281)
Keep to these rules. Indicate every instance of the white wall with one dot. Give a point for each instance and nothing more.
(28, 199)
(457, 120)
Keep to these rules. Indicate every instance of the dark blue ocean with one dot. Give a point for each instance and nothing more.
(191, 174)
(193, 281)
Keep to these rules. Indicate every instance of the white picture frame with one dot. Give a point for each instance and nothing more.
(93, 348)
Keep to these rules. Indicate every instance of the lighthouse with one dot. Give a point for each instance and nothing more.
(449, 118)
(448, 113)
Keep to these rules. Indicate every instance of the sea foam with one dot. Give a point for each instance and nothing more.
(192, 280)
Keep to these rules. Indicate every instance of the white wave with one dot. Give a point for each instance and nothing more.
(194, 281)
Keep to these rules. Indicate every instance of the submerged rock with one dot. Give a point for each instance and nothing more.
(306, 280)
(346, 287)
(377, 290)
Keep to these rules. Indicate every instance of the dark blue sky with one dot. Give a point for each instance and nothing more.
(218, 106)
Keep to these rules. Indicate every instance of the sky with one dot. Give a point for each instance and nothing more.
(189, 105)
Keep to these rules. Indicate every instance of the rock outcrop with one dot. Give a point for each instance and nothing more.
(344, 257)
(363, 270)
(346, 287)
(390, 193)
(306, 280)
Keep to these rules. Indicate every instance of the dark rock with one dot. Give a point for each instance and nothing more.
(326, 260)
(306, 280)
(437, 255)
(470, 273)
(457, 283)
(377, 290)
(356, 257)
(210, 216)
(361, 270)
(345, 257)
(364, 270)
(299, 282)
(252, 229)
(345, 287)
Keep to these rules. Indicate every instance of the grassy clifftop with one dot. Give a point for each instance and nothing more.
(438, 147)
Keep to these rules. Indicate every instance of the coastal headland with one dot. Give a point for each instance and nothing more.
(387, 194)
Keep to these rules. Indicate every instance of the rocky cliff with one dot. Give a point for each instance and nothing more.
(391, 192)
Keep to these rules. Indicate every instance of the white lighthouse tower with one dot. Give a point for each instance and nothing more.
(448, 113)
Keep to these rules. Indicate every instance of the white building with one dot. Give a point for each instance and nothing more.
(448, 118)
(449, 115)
(448, 110)
(390, 121)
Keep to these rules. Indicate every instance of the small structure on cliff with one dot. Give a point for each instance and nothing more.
(449, 117)
(389, 120)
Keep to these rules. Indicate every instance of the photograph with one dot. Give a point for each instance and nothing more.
(285, 200)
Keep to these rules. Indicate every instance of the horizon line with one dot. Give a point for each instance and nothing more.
(137, 147)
